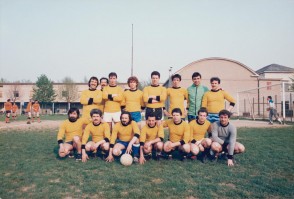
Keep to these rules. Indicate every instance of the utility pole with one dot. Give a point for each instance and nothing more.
(132, 62)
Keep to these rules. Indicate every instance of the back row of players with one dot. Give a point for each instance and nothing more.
(205, 111)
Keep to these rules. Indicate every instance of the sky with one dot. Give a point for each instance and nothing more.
(84, 38)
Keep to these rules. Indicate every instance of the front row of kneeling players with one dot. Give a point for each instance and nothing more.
(188, 139)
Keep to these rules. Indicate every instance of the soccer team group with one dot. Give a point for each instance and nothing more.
(112, 117)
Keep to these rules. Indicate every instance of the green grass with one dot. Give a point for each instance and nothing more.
(30, 169)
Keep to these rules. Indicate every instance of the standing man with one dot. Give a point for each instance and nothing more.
(125, 137)
(154, 96)
(91, 98)
(36, 111)
(198, 129)
(100, 134)
(214, 100)
(8, 107)
(179, 135)
(195, 95)
(151, 137)
(14, 111)
(133, 100)
(224, 136)
(272, 111)
(103, 82)
(72, 130)
(112, 94)
(177, 96)
(29, 111)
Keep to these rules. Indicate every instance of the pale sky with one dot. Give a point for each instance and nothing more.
(84, 38)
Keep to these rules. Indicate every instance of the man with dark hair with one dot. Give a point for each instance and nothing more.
(125, 137)
(224, 136)
(72, 130)
(179, 135)
(195, 95)
(214, 100)
(29, 111)
(7, 107)
(100, 134)
(36, 111)
(133, 100)
(103, 82)
(177, 96)
(91, 98)
(272, 111)
(151, 137)
(112, 94)
(198, 129)
(154, 96)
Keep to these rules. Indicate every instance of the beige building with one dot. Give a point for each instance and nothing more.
(23, 92)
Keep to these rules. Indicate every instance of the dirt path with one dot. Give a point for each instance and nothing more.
(54, 125)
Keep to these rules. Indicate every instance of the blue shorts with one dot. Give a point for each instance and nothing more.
(212, 117)
(126, 144)
(136, 116)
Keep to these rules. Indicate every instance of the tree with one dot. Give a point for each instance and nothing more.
(68, 91)
(14, 91)
(43, 91)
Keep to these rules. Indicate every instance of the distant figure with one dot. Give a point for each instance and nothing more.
(14, 111)
(8, 108)
(272, 111)
(29, 111)
(36, 111)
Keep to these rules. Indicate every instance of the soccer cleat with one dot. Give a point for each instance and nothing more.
(148, 156)
(71, 154)
(270, 123)
(183, 158)
(136, 159)
(78, 157)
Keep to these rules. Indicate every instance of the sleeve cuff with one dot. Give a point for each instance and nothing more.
(193, 141)
(161, 139)
(111, 145)
(90, 101)
(142, 143)
(110, 97)
(158, 98)
(150, 100)
(143, 107)
(106, 139)
(182, 142)
(83, 146)
(230, 157)
(60, 141)
(232, 104)
(137, 135)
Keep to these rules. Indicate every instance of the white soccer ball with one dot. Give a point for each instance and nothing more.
(126, 159)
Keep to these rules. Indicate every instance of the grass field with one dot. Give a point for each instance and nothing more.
(43, 117)
(30, 169)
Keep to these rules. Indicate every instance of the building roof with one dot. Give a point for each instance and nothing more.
(275, 68)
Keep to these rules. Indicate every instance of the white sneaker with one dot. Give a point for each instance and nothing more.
(280, 121)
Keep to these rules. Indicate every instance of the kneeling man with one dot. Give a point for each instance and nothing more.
(72, 129)
(151, 138)
(224, 136)
(126, 135)
(179, 134)
(100, 133)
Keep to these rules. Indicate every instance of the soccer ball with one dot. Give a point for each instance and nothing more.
(126, 159)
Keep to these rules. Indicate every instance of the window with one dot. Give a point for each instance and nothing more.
(15, 93)
(64, 94)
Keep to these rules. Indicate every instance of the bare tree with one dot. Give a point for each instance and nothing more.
(14, 91)
(68, 91)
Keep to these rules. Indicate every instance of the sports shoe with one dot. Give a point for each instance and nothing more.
(71, 154)
(78, 157)
(183, 158)
(148, 156)
(136, 159)
(280, 121)
(270, 123)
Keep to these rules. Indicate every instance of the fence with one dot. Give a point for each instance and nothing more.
(253, 103)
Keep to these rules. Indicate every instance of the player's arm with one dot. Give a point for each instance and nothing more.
(136, 131)
(85, 138)
(232, 143)
(112, 141)
(60, 137)
(85, 100)
(119, 96)
(230, 99)
(204, 100)
(163, 95)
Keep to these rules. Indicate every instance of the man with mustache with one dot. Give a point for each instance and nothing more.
(100, 133)
(91, 98)
(124, 137)
(72, 130)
